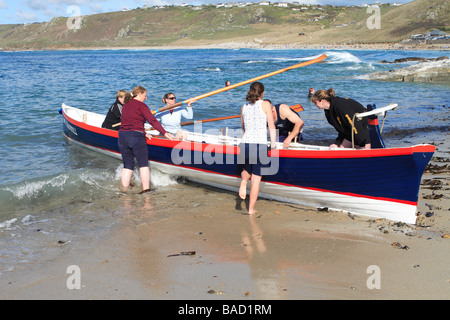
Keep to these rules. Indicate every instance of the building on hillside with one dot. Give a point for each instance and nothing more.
(437, 34)
(433, 35)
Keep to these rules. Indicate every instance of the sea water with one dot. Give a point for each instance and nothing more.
(52, 192)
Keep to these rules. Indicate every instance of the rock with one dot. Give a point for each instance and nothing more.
(415, 59)
(431, 71)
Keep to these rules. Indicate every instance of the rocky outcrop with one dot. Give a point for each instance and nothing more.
(419, 59)
(431, 71)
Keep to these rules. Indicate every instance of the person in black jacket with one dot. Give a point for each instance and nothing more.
(340, 114)
(112, 119)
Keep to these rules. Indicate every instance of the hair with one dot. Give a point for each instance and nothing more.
(323, 94)
(255, 92)
(166, 96)
(125, 95)
(137, 91)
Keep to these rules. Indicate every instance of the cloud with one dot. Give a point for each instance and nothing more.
(3, 5)
(48, 9)
(36, 5)
(26, 16)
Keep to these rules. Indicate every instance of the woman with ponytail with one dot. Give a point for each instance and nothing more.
(340, 114)
(256, 115)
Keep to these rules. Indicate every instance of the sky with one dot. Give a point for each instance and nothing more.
(28, 11)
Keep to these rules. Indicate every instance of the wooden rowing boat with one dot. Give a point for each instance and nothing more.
(380, 183)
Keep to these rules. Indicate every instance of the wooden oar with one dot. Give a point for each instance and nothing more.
(296, 108)
(202, 96)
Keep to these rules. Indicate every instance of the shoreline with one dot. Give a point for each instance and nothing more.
(254, 45)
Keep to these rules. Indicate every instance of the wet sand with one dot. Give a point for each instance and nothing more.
(194, 242)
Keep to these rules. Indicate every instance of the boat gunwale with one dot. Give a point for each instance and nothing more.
(234, 149)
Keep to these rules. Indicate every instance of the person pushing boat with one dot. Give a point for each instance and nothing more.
(132, 138)
(253, 156)
(287, 122)
(340, 114)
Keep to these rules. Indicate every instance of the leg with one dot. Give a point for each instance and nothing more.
(254, 191)
(126, 178)
(245, 176)
(144, 172)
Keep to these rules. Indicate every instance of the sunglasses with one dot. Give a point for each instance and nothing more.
(172, 98)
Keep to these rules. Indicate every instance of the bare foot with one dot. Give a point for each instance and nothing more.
(243, 190)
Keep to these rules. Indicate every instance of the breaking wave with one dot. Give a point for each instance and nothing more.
(341, 57)
(50, 192)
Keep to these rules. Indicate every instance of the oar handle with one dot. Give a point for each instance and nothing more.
(296, 108)
(205, 95)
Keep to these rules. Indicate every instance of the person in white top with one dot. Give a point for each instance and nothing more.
(171, 120)
(256, 115)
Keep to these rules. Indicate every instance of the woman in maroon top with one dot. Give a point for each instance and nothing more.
(132, 142)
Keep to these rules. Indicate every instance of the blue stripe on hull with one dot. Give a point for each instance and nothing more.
(390, 177)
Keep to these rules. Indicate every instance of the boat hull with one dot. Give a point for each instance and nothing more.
(380, 183)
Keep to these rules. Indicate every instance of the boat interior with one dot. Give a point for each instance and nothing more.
(96, 120)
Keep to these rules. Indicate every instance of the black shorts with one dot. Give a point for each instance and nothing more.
(132, 144)
(253, 157)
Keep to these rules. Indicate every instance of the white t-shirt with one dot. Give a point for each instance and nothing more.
(255, 123)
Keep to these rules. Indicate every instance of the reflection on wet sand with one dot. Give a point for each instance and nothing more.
(272, 255)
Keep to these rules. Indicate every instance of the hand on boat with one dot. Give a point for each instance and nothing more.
(148, 136)
(169, 136)
(286, 143)
(333, 146)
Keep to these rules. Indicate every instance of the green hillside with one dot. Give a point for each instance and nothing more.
(209, 25)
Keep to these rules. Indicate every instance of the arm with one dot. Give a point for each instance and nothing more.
(267, 108)
(288, 113)
(242, 121)
(188, 113)
(152, 120)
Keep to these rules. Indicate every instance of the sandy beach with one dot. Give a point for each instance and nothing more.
(199, 245)
(239, 44)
